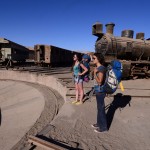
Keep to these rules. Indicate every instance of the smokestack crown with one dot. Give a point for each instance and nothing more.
(110, 28)
(97, 29)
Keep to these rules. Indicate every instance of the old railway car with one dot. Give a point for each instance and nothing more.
(133, 53)
(11, 52)
(48, 55)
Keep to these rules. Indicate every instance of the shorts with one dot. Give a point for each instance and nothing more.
(77, 79)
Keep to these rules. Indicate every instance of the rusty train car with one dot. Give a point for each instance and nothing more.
(133, 53)
(11, 52)
(48, 55)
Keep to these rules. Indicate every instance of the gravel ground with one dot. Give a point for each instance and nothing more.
(128, 120)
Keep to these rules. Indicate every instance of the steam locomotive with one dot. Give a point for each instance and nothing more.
(133, 53)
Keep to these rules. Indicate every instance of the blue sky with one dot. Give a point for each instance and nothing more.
(68, 23)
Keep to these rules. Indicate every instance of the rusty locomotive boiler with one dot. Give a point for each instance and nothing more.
(133, 53)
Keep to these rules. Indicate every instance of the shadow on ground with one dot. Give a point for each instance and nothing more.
(120, 101)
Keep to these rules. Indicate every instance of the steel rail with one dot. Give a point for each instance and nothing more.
(43, 144)
(138, 96)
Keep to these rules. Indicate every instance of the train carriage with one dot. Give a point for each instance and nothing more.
(49, 55)
(13, 52)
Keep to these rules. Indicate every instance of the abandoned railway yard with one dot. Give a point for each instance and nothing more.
(36, 112)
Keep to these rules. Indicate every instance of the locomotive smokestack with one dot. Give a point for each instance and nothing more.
(110, 28)
(97, 29)
(140, 35)
(127, 33)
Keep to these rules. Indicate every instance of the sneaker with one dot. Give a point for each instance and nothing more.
(98, 130)
(94, 126)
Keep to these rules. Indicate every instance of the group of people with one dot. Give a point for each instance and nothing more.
(80, 70)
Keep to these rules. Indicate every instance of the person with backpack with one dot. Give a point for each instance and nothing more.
(85, 61)
(99, 79)
(78, 79)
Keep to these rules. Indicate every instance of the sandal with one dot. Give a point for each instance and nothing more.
(74, 102)
(79, 103)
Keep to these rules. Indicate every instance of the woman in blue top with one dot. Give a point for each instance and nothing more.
(78, 79)
(99, 79)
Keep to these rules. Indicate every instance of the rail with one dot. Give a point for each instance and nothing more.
(43, 144)
(138, 96)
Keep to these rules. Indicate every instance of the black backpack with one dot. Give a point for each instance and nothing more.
(85, 77)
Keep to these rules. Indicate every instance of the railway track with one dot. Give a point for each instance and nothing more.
(73, 95)
(47, 144)
(53, 102)
(41, 141)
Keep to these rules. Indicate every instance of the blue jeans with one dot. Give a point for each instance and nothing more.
(101, 115)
